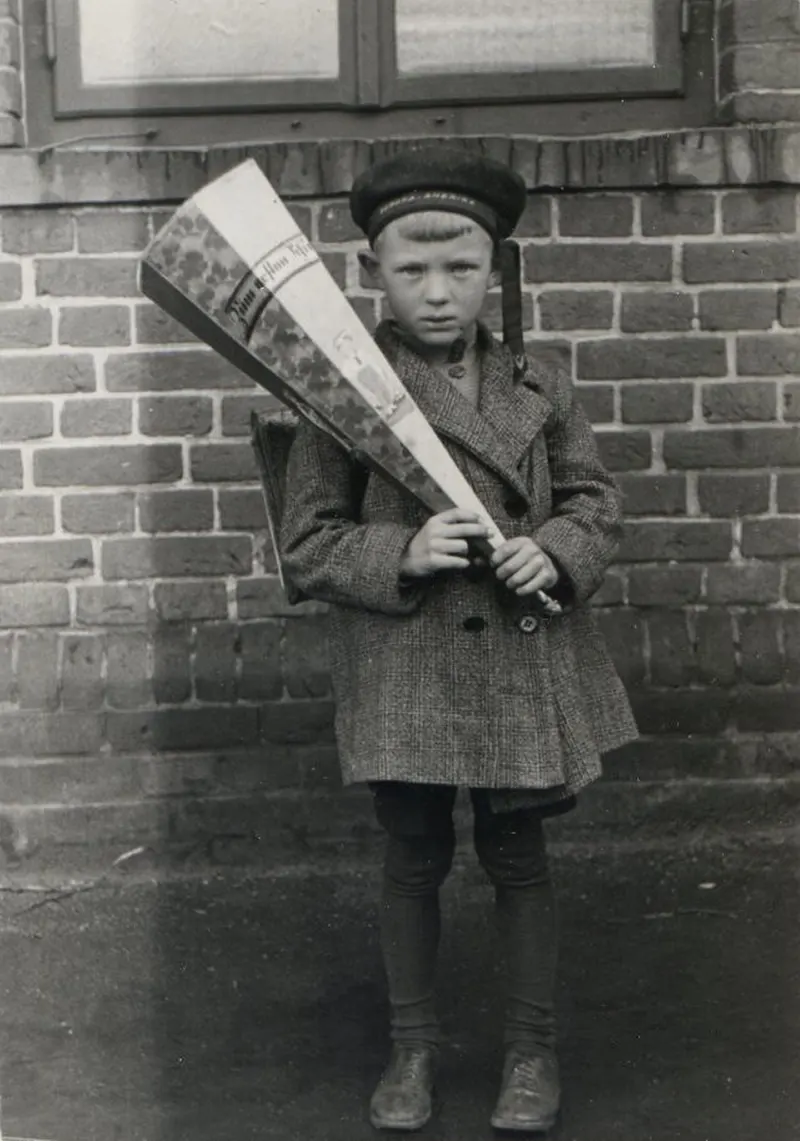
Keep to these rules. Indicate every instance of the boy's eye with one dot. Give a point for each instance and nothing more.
(462, 267)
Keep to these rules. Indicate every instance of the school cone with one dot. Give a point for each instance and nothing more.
(233, 267)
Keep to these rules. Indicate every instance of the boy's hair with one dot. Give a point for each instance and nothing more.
(433, 226)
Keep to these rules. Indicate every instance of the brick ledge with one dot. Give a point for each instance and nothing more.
(720, 156)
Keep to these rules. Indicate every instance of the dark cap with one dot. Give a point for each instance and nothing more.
(438, 178)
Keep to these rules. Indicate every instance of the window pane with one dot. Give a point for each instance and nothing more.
(435, 36)
(156, 41)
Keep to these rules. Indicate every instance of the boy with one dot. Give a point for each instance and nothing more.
(446, 674)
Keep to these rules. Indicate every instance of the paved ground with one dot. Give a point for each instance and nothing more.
(235, 1008)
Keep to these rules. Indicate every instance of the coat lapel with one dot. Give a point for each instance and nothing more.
(500, 431)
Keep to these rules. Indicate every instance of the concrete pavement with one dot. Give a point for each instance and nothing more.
(232, 1006)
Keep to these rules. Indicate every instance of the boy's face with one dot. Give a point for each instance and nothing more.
(435, 269)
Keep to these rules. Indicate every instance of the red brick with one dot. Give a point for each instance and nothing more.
(37, 671)
(222, 463)
(677, 212)
(94, 325)
(671, 650)
(176, 416)
(759, 634)
(33, 605)
(733, 495)
(744, 582)
(10, 91)
(215, 655)
(170, 371)
(760, 66)
(689, 540)
(26, 420)
(595, 215)
(705, 262)
(188, 601)
(265, 598)
(791, 400)
(768, 711)
(98, 514)
(185, 509)
(112, 605)
(336, 265)
(663, 587)
(155, 327)
(661, 403)
(734, 309)
(81, 671)
(625, 451)
(788, 493)
(10, 281)
(107, 466)
(242, 510)
(181, 730)
(492, 312)
(771, 538)
(236, 411)
(101, 417)
(111, 231)
(29, 328)
(172, 673)
(34, 734)
(731, 447)
(758, 21)
(732, 403)
(296, 722)
(551, 354)
(262, 679)
(6, 678)
(87, 277)
(576, 309)
(27, 515)
(792, 582)
(682, 712)
(654, 494)
(790, 620)
(306, 662)
(611, 591)
(762, 211)
(656, 311)
(789, 306)
(622, 261)
(36, 232)
(46, 374)
(646, 358)
(128, 685)
(177, 557)
(773, 355)
(597, 401)
(10, 469)
(46, 560)
(715, 648)
(336, 225)
(536, 220)
(624, 632)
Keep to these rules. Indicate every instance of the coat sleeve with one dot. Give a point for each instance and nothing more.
(583, 532)
(326, 552)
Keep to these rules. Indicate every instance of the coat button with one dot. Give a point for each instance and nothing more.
(528, 623)
(516, 506)
(474, 624)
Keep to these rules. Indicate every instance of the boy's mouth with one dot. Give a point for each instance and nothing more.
(439, 321)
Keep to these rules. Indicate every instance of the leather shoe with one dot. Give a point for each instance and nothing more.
(530, 1095)
(404, 1097)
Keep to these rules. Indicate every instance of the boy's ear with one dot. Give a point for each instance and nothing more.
(368, 260)
(495, 276)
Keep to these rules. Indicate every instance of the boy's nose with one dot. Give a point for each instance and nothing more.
(437, 291)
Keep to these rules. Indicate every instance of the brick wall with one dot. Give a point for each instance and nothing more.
(146, 647)
(11, 130)
(759, 59)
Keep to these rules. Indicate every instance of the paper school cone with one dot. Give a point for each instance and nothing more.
(234, 268)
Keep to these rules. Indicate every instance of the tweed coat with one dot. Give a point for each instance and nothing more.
(444, 681)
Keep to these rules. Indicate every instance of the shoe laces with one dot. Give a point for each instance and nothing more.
(412, 1065)
(526, 1069)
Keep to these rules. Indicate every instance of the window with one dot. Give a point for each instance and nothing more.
(162, 56)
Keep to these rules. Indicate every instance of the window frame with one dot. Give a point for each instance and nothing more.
(75, 99)
(666, 77)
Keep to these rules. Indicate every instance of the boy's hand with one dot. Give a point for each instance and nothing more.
(523, 566)
(442, 543)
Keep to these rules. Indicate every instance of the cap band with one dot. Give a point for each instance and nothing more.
(419, 200)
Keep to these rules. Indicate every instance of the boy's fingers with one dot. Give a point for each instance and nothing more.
(466, 531)
(517, 562)
(458, 515)
(450, 546)
(449, 562)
